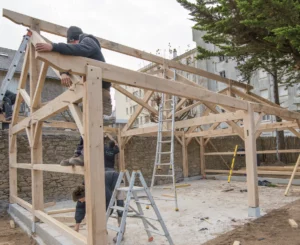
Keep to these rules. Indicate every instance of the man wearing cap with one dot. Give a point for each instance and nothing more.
(79, 44)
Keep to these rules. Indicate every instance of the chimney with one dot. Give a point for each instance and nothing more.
(174, 53)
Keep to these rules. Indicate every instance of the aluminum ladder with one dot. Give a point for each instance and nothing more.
(131, 191)
(167, 105)
(13, 66)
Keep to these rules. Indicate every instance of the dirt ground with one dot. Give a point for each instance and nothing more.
(271, 229)
(9, 236)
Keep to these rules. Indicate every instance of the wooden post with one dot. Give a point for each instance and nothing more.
(122, 152)
(202, 157)
(94, 157)
(185, 157)
(292, 176)
(13, 191)
(251, 162)
(37, 148)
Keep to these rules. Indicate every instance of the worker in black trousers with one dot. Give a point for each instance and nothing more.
(79, 44)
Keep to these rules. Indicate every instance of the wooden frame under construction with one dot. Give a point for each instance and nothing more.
(239, 104)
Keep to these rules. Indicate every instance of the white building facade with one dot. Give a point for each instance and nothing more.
(261, 81)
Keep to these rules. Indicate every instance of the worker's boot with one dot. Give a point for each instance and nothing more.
(119, 223)
(77, 160)
(66, 162)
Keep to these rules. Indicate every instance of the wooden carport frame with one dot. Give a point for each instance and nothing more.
(88, 89)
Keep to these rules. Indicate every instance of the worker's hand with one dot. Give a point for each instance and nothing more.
(66, 80)
(77, 227)
(43, 47)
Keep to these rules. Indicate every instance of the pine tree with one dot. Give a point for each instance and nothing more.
(258, 34)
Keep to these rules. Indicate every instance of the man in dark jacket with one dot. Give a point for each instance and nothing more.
(110, 152)
(9, 100)
(79, 44)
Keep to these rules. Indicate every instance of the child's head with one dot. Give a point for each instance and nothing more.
(79, 194)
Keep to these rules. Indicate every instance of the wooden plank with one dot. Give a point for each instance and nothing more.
(68, 219)
(21, 165)
(138, 110)
(49, 204)
(59, 124)
(93, 152)
(260, 172)
(251, 158)
(179, 140)
(13, 177)
(62, 31)
(40, 85)
(59, 169)
(277, 111)
(188, 108)
(28, 133)
(202, 157)
(230, 123)
(61, 211)
(21, 202)
(124, 76)
(37, 134)
(134, 98)
(292, 176)
(293, 223)
(213, 133)
(25, 96)
(22, 83)
(76, 237)
(278, 168)
(122, 152)
(258, 152)
(77, 116)
(295, 132)
(37, 183)
(191, 122)
(185, 163)
(55, 106)
(258, 121)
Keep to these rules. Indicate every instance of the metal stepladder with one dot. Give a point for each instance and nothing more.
(13, 66)
(166, 106)
(131, 191)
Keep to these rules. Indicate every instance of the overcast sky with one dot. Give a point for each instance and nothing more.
(144, 24)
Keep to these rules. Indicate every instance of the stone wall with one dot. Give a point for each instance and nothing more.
(139, 154)
(57, 186)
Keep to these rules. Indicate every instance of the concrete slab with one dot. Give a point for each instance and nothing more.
(204, 198)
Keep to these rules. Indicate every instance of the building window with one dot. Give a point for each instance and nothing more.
(266, 118)
(221, 58)
(136, 93)
(147, 119)
(134, 108)
(264, 93)
(188, 61)
(222, 74)
(126, 111)
(127, 99)
(130, 109)
(140, 93)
